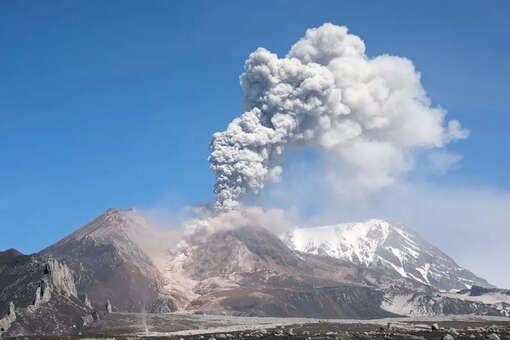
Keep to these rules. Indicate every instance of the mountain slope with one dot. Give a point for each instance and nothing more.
(377, 243)
(108, 261)
(250, 271)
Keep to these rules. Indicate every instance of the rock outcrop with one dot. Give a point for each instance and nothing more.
(38, 296)
(85, 299)
(8, 319)
(108, 306)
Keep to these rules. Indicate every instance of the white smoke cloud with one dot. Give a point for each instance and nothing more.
(277, 221)
(371, 113)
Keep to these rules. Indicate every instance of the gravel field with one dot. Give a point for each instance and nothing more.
(192, 326)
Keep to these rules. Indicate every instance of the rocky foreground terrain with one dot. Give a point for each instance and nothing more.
(38, 296)
(190, 326)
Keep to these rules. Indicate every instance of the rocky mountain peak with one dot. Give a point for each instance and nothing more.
(109, 260)
(114, 222)
(124, 229)
(11, 252)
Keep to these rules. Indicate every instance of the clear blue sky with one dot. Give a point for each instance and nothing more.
(112, 103)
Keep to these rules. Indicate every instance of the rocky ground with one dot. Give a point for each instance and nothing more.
(327, 330)
(208, 327)
(449, 330)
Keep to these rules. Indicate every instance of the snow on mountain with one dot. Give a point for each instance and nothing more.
(377, 243)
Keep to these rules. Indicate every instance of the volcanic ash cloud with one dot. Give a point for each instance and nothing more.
(370, 113)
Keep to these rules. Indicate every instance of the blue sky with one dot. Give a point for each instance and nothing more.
(112, 104)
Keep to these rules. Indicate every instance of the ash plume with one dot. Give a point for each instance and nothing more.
(370, 113)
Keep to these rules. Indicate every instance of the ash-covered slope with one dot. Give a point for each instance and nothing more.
(38, 296)
(250, 271)
(108, 262)
(380, 244)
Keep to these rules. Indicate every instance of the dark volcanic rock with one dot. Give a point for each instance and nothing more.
(38, 296)
(162, 305)
(342, 301)
(480, 291)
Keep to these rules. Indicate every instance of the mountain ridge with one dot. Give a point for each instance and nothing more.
(120, 260)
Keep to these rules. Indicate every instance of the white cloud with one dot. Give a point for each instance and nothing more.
(370, 113)
(441, 161)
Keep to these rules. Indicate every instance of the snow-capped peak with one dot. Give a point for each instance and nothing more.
(355, 242)
(378, 243)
